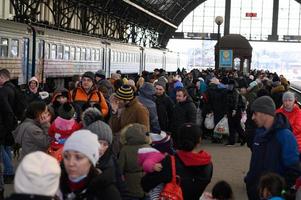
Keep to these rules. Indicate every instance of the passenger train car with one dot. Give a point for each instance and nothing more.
(53, 54)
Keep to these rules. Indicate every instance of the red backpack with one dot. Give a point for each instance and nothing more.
(172, 190)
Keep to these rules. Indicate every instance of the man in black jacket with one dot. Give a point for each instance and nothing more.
(184, 110)
(164, 106)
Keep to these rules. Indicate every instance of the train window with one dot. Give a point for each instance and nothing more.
(77, 53)
(66, 52)
(117, 56)
(83, 54)
(97, 55)
(113, 56)
(47, 51)
(93, 54)
(88, 54)
(59, 52)
(4, 47)
(40, 51)
(72, 53)
(14, 49)
(53, 51)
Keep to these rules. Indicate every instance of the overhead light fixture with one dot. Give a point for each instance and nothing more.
(150, 13)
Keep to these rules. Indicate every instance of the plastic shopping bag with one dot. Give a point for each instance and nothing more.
(209, 121)
(222, 127)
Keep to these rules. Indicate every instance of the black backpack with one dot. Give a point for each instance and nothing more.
(20, 104)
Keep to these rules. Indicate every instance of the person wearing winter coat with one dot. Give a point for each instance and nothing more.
(277, 91)
(184, 111)
(293, 113)
(164, 106)
(146, 97)
(32, 133)
(193, 165)
(80, 180)
(126, 109)
(32, 93)
(37, 178)
(104, 85)
(107, 162)
(59, 97)
(63, 126)
(274, 147)
(87, 95)
(133, 138)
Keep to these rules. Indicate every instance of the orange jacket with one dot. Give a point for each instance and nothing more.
(294, 117)
(96, 97)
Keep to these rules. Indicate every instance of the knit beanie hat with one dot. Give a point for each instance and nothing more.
(125, 92)
(85, 142)
(66, 111)
(264, 104)
(157, 138)
(39, 174)
(102, 130)
(91, 115)
(101, 73)
(161, 83)
(89, 74)
(288, 96)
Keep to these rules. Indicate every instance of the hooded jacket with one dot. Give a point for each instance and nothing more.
(30, 96)
(194, 169)
(146, 97)
(274, 150)
(294, 118)
(133, 139)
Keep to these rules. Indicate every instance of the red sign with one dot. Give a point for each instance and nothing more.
(251, 14)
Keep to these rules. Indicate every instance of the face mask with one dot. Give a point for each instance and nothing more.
(78, 179)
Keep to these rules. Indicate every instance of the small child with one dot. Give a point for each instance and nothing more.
(62, 127)
(220, 191)
(271, 187)
(149, 158)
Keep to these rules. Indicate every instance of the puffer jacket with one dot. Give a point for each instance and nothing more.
(128, 162)
(146, 97)
(83, 100)
(274, 150)
(32, 136)
(294, 118)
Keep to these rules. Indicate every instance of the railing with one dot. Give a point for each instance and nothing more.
(298, 94)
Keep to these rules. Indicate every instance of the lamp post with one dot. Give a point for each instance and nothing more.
(218, 20)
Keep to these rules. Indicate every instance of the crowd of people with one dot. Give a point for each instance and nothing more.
(120, 138)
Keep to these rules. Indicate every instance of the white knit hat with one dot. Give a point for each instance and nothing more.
(85, 142)
(39, 174)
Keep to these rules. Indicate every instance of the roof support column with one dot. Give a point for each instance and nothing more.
(274, 35)
(227, 17)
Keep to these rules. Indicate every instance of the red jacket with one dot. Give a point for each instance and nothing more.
(60, 130)
(294, 117)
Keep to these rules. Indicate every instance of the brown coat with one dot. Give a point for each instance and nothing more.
(134, 112)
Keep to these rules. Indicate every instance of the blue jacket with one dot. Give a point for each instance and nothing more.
(146, 97)
(274, 150)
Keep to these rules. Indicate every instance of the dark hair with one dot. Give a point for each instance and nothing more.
(222, 191)
(34, 109)
(184, 91)
(5, 73)
(274, 183)
(188, 136)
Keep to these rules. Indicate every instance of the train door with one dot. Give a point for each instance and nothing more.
(107, 60)
(40, 58)
(142, 60)
(26, 73)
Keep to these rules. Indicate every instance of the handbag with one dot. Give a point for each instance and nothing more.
(209, 121)
(222, 127)
(172, 190)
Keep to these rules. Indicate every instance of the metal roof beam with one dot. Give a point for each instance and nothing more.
(150, 13)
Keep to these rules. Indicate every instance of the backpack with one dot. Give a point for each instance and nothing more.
(172, 190)
(19, 104)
